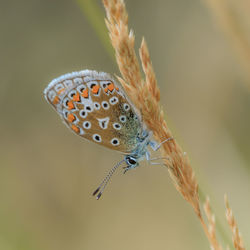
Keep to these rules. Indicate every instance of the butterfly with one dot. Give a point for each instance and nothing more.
(96, 107)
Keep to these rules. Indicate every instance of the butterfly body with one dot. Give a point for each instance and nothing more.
(94, 106)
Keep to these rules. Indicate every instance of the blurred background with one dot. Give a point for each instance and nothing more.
(47, 174)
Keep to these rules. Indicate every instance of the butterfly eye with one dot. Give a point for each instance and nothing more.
(131, 161)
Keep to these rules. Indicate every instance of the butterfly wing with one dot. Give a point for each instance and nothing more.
(96, 107)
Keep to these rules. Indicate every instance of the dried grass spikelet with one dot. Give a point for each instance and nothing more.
(145, 94)
(122, 41)
(237, 239)
(211, 225)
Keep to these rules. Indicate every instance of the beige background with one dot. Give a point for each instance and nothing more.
(47, 174)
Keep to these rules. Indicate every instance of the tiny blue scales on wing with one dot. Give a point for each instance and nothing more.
(94, 106)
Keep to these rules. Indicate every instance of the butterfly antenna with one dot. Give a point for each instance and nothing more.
(105, 181)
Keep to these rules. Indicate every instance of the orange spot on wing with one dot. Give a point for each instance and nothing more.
(60, 91)
(70, 105)
(117, 88)
(95, 89)
(56, 100)
(111, 87)
(71, 117)
(106, 90)
(85, 93)
(76, 97)
(75, 128)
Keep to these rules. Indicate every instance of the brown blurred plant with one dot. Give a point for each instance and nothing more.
(211, 225)
(237, 239)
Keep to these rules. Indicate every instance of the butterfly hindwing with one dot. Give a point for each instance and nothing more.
(96, 107)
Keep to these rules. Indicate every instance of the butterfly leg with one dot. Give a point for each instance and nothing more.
(155, 146)
(147, 155)
(156, 163)
(158, 158)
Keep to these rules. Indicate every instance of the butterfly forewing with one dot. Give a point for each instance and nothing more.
(95, 107)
